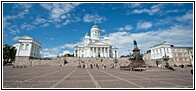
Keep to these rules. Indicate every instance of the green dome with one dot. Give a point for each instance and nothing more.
(95, 26)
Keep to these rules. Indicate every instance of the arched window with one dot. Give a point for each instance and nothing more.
(22, 46)
(27, 46)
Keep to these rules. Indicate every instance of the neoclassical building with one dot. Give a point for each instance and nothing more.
(177, 55)
(94, 46)
(28, 47)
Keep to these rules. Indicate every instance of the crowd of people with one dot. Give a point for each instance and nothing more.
(103, 66)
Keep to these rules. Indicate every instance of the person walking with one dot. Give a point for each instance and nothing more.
(182, 66)
(91, 66)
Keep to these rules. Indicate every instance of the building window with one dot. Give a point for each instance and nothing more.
(180, 59)
(179, 54)
(32, 47)
(27, 46)
(22, 46)
(35, 48)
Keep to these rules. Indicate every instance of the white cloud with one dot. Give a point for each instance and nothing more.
(66, 22)
(173, 11)
(13, 29)
(59, 11)
(175, 35)
(102, 30)
(27, 27)
(134, 5)
(126, 27)
(45, 25)
(154, 9)
(94, 18)
(144, 25)
(51, 38)
(65, 52)
(47, 6)
(16, 38)
(188, 16)
(39, 21)
(58, 50)
(22, 5)
(20, 14)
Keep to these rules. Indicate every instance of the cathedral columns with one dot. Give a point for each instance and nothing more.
(96, 52)
(104, 52)
(101, 53)
(108, 52)
(89, 54)
(93, 51)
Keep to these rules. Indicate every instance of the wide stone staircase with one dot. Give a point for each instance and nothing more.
(73, 61)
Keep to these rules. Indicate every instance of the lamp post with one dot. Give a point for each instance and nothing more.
(115, 60)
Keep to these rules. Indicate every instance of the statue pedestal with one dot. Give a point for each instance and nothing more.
(137, 61)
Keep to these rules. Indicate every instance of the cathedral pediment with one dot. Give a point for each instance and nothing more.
(25, 37)
(99, 43)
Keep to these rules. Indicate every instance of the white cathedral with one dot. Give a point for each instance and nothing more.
(94, 46)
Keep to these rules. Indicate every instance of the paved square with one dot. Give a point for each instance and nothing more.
(72, 77)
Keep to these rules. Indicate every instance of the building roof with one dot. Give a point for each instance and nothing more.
(26, 37)
(163, 43)
(182, 47)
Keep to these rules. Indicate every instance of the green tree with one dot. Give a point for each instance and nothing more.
(69, 55)
(9, 53)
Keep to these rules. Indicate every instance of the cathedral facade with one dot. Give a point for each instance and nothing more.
(94, 46)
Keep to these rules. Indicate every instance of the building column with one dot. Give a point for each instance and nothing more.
(101, 53)
(84, 53)
(74, 53)
(93, 51)
(116, 53)
(108, 52)
(96, 51)
(89, 50)
(104, 52)
(78, 52)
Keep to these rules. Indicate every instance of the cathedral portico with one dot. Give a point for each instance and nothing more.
(94, 46)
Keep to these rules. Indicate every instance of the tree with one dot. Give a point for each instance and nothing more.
(69, 55)
(9, 53)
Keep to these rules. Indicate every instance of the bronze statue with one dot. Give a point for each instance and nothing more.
(135, 44)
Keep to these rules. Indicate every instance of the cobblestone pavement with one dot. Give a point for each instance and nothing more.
(72, 77)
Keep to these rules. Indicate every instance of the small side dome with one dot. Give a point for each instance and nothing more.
(95, 26)
(86, 34)
(106, 37)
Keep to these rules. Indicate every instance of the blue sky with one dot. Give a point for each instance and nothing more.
(62, 25)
